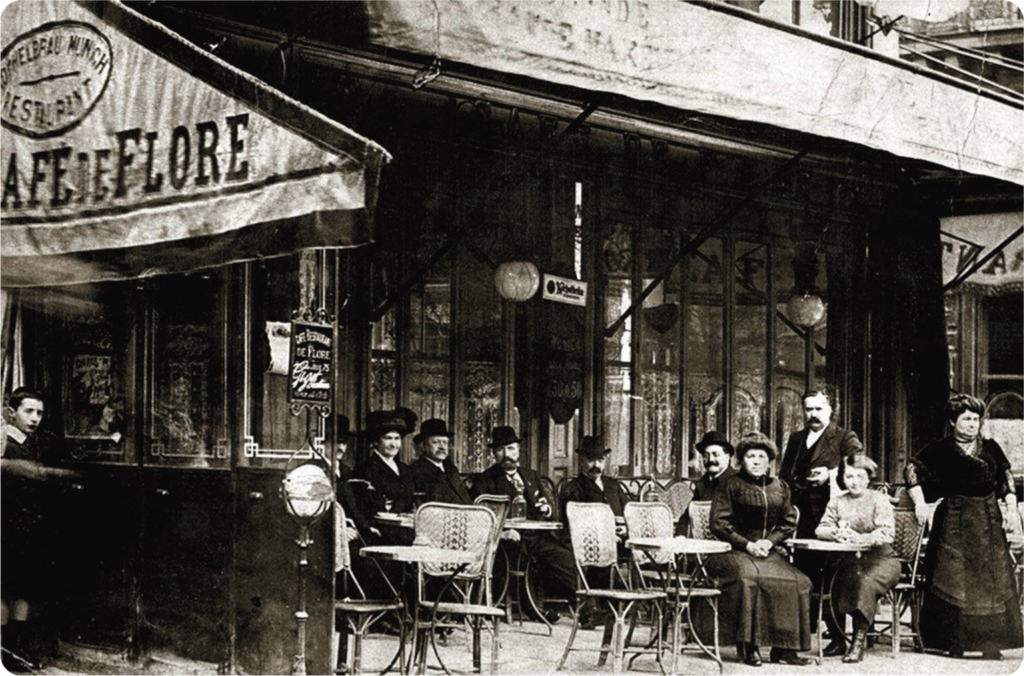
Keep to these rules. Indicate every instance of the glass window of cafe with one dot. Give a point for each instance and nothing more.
(175, 370)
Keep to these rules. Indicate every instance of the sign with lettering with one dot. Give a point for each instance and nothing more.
(121, 145)
(309, 374)
(564, 290)
(966, 240)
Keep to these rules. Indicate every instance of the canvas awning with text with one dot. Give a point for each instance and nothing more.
(710, 58)
(129, 152)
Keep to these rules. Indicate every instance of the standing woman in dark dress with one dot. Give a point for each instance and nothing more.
(970, 599)
(765, 599)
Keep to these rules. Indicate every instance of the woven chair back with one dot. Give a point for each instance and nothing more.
(649, 520)
(468, 528)
(592, 531)
(700, 519)
(907, 538)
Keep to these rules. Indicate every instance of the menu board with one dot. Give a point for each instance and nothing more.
(309, 373)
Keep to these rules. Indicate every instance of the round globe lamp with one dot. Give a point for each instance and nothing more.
(517, 280)
(806, 309)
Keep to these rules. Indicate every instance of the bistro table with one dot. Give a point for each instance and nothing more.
(420, 554)
(403, 520)
(826, 546)
(523, 525)
(678, 546)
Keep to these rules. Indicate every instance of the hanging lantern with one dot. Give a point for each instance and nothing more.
(517, 280)
(805, 309)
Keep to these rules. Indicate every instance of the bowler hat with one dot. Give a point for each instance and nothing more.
(593, 448)
(432, 427)
(752, 440)
(503, 435)
(714, 438)
(379, 423)
(344, 429)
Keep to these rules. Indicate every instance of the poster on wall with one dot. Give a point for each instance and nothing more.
(309, 373)
(91, 392)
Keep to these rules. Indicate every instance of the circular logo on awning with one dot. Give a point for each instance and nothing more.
(51, 77)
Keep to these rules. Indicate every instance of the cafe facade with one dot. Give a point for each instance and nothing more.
(614, 219)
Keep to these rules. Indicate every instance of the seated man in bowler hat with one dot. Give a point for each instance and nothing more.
(591, 484)
(716, 452)
(434, 475)
(507, 477)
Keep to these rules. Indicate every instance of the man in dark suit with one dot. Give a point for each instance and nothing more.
(434, 476)
(812, 458)
(591, 484)
(716, 452)
(506, 477)
(809, 465)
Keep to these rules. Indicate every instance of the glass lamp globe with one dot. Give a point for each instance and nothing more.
(806, 309)
(307, 492)
(517, 280)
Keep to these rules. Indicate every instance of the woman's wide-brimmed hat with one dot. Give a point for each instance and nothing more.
(432, 427)
(593, 448)
(755, 440)
(503, 435)
(379, 423)
(714, 438)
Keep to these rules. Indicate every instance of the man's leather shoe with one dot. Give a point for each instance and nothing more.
(788, 656)
(835, 648)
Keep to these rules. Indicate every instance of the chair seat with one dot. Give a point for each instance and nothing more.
(367, 605)
(622, 594)
(465, 609)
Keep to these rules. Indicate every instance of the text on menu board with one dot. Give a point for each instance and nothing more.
(311, 351)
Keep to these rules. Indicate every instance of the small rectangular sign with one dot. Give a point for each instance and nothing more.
(564, 290)
(312, 349)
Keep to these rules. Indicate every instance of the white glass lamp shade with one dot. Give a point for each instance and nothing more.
(307, 491)
(517, 280)
(805, 309)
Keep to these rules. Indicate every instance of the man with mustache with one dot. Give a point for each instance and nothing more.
(811, 461)
(507, 477)
(716, 452)
(591, 484)
(434, 476)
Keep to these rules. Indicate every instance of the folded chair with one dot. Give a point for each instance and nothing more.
(592, 531)
(354, 609)
(471, 528)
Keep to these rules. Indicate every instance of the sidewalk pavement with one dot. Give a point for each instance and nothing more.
(529, 650)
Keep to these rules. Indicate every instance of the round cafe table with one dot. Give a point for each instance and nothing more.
(828, 572)
(679, 546)
(418, 555)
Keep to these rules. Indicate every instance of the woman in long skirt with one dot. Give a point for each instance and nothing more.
(970, 601)
(765, 599)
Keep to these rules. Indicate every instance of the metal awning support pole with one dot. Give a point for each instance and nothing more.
(703, 236)
(960, 279)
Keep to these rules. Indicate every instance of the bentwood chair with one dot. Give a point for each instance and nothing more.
(354, 609)
(592, 531)
(470, 528)
(906, 595)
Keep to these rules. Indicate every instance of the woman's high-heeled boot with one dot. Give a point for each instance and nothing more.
(855, 653)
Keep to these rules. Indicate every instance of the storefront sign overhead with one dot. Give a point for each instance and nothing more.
(710, 59)
(967, 240)
(128, 151)
(564, 290)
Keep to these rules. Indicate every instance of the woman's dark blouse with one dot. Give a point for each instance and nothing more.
(943, 468)
(747, 509)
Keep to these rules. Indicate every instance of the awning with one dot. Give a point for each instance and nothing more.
(699, 57)
(128, 151)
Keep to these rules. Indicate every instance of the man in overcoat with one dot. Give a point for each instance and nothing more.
(434, 476)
